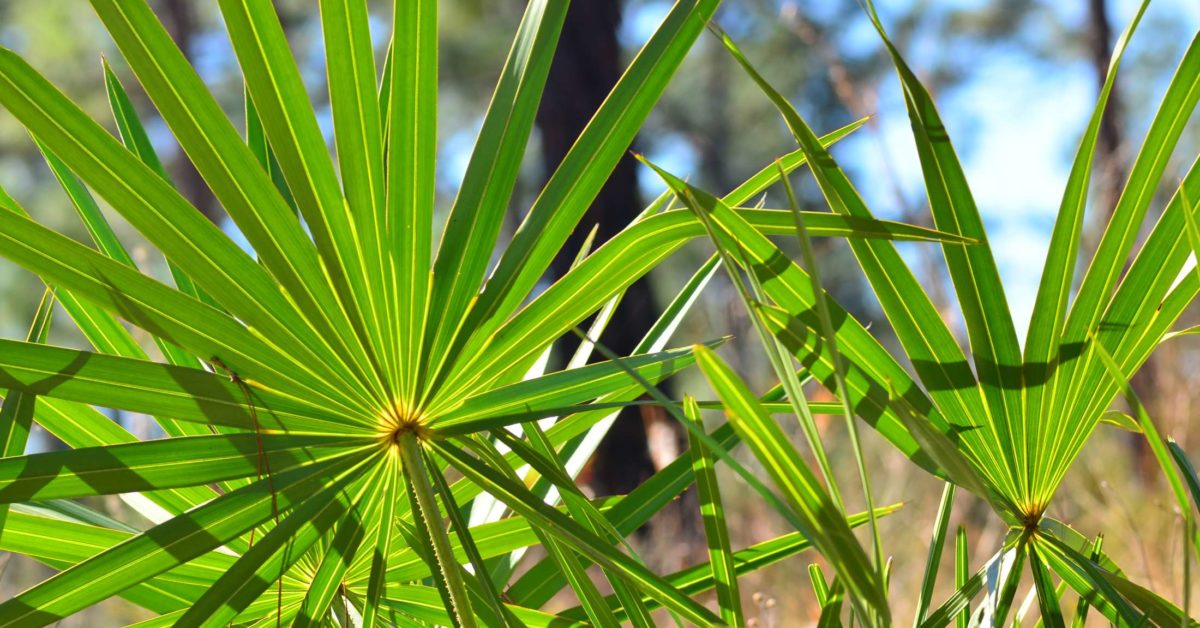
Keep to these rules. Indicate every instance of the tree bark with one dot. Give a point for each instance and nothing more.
(1110, 162)
(1112, 172)
(586, 66)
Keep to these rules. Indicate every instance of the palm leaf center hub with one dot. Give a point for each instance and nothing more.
(399, 420)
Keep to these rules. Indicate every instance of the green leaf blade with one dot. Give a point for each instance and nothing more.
(824, 524)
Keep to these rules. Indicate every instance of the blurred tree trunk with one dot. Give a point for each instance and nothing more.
(1109, 157)
(586, 66)
(179, 18)
(1111, 173)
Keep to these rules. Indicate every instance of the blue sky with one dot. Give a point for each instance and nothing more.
(1023, 117)
(1030, 117)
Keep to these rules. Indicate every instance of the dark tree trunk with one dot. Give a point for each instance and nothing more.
(1111, 173)
(179, 18)
(586, 66)
(1110, 164)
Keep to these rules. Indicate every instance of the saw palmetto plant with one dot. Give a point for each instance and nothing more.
(357, 428)
(356, 425)
(1000, 419)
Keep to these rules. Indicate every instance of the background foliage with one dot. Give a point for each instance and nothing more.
(995, 67)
